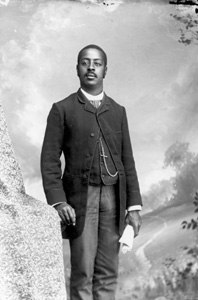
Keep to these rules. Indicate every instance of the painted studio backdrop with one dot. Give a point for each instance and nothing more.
(153, 71)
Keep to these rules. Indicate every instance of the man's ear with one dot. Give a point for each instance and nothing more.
(105, 72)
(77, 70)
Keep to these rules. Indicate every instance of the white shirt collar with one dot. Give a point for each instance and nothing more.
(92, 97)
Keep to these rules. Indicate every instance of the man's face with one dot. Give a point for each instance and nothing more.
(91, 70)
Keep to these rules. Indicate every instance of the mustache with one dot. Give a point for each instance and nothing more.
(91, 73)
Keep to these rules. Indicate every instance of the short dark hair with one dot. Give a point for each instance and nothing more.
(92, 46)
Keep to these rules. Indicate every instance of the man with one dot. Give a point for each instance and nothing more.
(99, 181)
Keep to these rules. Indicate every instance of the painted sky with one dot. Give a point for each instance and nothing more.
(149, 72)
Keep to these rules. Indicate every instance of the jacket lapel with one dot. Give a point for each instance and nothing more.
(105, 105)
(89, 107)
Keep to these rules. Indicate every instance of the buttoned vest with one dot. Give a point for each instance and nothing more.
(103, 170)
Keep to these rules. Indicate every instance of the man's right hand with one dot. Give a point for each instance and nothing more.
(66, 213)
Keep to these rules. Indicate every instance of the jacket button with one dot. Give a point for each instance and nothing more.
(84, 176)
(88, 155)
(92, 134)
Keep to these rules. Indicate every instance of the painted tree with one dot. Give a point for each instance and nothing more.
(185, 164)
(188, 27)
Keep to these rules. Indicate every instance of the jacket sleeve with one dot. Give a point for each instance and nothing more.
(132, 184)
(50, 157)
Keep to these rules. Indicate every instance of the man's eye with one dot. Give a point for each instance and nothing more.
(84, 63)
(97, 64)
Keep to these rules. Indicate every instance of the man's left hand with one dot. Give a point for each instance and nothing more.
(133, 218)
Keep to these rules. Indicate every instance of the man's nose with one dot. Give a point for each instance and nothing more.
(91, 66)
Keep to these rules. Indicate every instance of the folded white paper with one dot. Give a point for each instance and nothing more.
(127, 239)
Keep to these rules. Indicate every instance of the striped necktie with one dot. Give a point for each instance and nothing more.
(95, 103)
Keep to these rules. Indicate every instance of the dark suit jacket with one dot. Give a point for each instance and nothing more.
(73, 128)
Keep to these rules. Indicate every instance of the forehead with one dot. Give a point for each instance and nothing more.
(91, 53)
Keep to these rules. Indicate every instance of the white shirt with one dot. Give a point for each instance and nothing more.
(93, 97)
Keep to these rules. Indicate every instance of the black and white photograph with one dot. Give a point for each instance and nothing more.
(98, 150)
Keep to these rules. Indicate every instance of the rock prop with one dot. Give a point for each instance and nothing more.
(31, 258)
